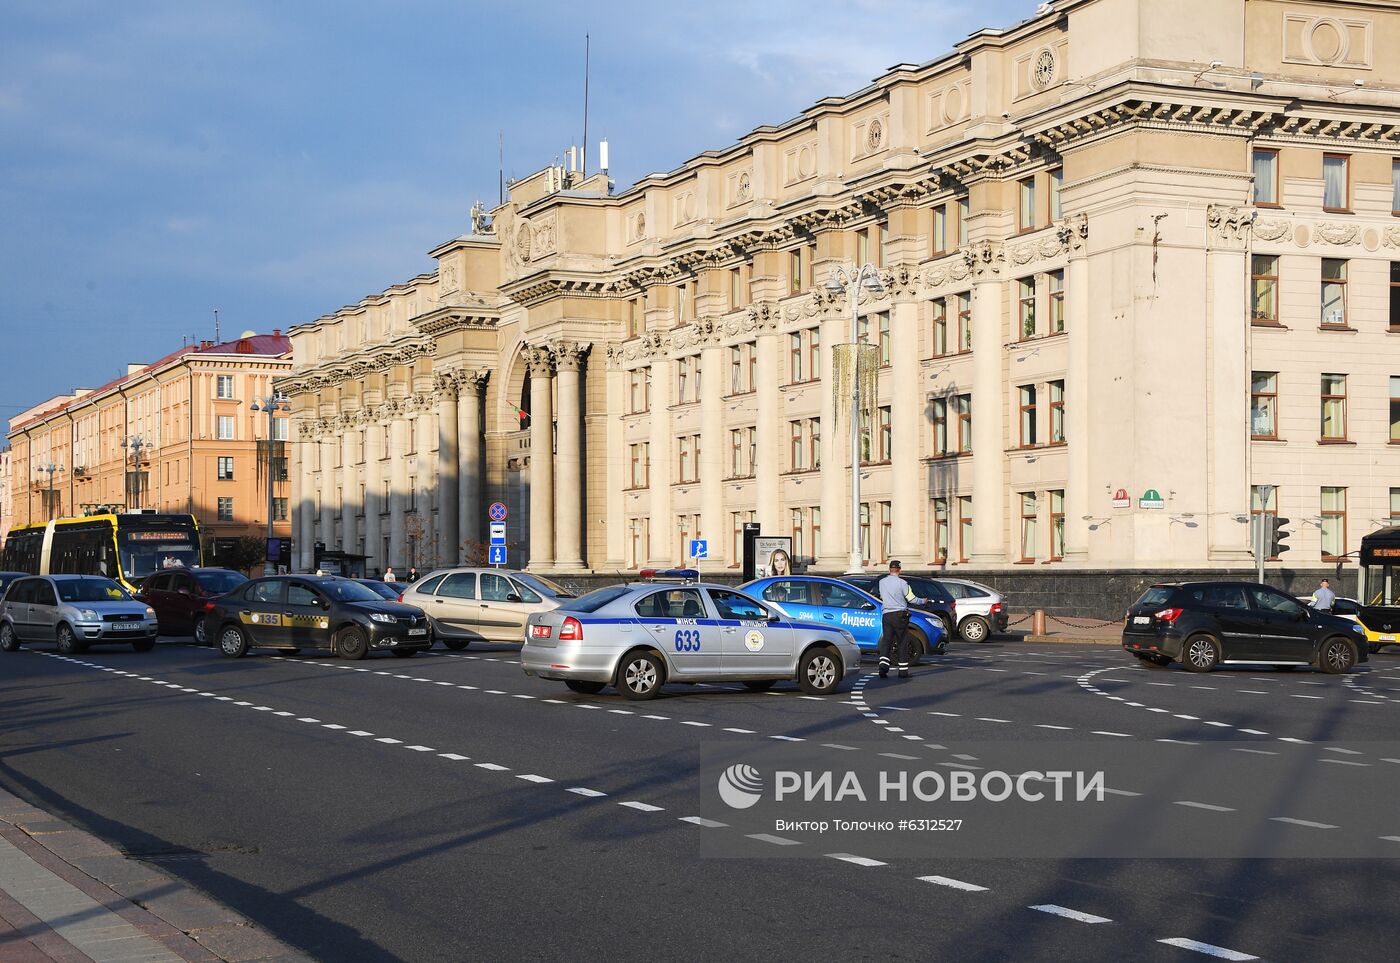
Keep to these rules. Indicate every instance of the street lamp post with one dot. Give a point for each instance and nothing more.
(49, 467)
(271, 404)
(135, 443)
(851, 281)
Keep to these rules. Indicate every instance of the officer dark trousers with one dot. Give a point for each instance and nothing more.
(894, 641)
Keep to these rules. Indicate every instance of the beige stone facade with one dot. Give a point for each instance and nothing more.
(200, 442)
(1102, 232)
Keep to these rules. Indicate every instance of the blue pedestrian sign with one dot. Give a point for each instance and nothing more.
(497, 512)
(699, 548)
(498, 533)
(496, 554)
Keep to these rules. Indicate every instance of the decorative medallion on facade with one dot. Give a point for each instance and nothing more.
(1270, 229)
(1043, 69)
(875, 135)
(743, 187)
(1327, 41)
(1337, 233)
(522, 241)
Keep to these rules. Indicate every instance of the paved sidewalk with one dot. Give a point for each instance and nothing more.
(67, 896)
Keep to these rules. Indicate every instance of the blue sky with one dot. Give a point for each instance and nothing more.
(276, 160)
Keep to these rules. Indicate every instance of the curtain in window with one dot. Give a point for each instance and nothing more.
(1395, 187)
(1334, 182)
(1264, 177)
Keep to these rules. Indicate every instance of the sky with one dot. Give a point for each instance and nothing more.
(277, 159)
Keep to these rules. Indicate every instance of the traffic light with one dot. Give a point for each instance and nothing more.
(1278, 536)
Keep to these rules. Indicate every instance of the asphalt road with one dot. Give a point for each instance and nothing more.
(446, 807)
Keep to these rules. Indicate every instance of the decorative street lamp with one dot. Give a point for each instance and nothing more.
(135, 443)
(852, 368)
(49, 467)
(272, 404)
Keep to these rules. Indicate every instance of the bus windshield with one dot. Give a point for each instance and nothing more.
(144, 552)
(1379, 585)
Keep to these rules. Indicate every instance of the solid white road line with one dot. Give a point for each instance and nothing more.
(953, 884)
(1070, 914)
(1219, 952)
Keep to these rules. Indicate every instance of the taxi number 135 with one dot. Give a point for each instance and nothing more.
(687, 640)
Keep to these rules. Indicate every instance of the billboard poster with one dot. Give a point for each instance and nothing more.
(772, 555)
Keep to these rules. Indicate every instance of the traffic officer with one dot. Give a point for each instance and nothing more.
(1323, 598)
(895, 596)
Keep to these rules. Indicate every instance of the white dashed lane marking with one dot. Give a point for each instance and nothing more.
(1219, 952)
(1070, 914)
(953, 884)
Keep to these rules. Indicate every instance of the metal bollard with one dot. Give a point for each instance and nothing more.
(1038, 622)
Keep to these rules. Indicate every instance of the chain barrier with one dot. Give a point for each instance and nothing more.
(1091, 625)
(1024, 618)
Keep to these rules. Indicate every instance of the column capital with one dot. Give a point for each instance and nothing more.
(984, 259)
(472, 382)
(569, 355)
(1230, 227)
(445, 384)
(540, 360)
(1073, 233)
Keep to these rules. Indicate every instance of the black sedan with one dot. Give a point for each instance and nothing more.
(294, 612)
(1205, 624)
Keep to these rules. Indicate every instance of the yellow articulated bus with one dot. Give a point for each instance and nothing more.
(125, 547)
(1378, 588)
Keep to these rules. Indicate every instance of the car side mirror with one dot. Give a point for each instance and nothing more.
(1302, 615)
(322, 604)
(184, 590)
(512, 597)
(867, 606)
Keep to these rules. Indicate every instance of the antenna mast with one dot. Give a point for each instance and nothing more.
(501, 166)
(583, 167)
(217, 339)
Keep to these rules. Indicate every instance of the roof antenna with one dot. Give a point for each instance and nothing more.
(501, 166)
(583, 167)
(217, 339)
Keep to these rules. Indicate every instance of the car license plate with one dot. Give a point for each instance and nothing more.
(1386, 638)
(125, 626)
(417, 631)
(1141, 619)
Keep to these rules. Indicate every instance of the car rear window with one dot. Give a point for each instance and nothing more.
(221, 582)
(595, 600)
(428, 585)
(1155, 596)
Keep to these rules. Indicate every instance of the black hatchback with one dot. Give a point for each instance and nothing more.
(1205, 624)
(941, 604)
(294, 612)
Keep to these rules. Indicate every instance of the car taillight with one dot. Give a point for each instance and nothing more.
(997, 607)
(540, 631)
(1168, 615)
(208, 606)
(571, 630)
(400, 597)
(952, 606)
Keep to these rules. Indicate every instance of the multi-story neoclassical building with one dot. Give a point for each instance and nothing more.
(1138, 258)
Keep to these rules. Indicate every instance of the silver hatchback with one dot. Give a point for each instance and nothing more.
(74, 611)
(467, 605)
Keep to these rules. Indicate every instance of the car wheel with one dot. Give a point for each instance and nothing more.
(68, 643)
(9, 642)
(974, 628)
(352, 643)
(233, 642)
(819, 672)
(760, 685)
(456, 645)
(640, 676)
(587, 688)
(404, 653)
(144, 645)
(201, 635)
(1202, 654)
(1338, 656)
(918, 644)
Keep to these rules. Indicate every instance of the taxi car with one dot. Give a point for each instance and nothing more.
(834, 602)
(294, 612)
(1379, 633)
(640, 636)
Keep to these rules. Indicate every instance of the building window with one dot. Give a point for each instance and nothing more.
(795, 372)
(1395, 409)
(738, 370)
(223, 386)
(883, 334)
(1057, 526)
(638, 390)
(963, 404)
(225, 509)
(940, 531)
(964, 213)
(1334, 522)
(1030, 509)
(688, 458)
(1395, 506)
(799, 268)
(1395, 186)
(224, 427)
(886, 530)
(1057, 412)
(1395, 295)
(886, 449)
(742, 442)
(1334, 407)
(689, 526)
(1025, 295)
(279, 509)
(814, 442)
(865, 441)
(1260, 506)
(641, 464)
(1263, 284)
(737, 288)
(940, 426)
(1057, 184)
(736, 532)
(940, 326)
(1265, 164)
(1025, 209)
(1026, 395)
(1336, 182)
(938, 231)
(964, 306)
(795, 449)
(1263, 405)
(685, 302)
(280, 428)
(1057, 301)
(865, 532)
(1334, 293)
(225, 468)
(688, 380)
(803, 352)
(964, 527)
(634, 543)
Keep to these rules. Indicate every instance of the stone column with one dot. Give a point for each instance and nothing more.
(541, 365)
(769, 440)
(663, 465)
(1077, 381)
(471, 511)
(449, 464)
(714, 457)
(398, 486)
(306, 499)
(423, 437)
(328, 445)
(568, 359)
(836, 447)
(374, 451)
(349, 484)
(1228, 234)
(988, 405)
(617, 467)
(908, 486)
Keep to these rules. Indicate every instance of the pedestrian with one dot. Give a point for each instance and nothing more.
(412, 574)
(895, 596)
(1323, 598)
(389, 574)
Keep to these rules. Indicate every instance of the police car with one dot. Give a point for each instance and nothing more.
(832, 602)
(293, 612)
(640, 636)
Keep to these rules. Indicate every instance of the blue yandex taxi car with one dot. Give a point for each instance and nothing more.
(828, 601)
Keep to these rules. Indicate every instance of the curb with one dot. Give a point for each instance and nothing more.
(1068, 640)
(187, 922)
